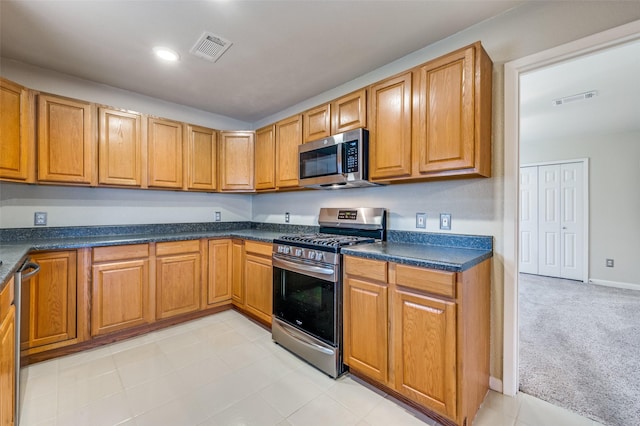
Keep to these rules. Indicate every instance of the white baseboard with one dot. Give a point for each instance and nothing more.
(617, 284)
(495, 384)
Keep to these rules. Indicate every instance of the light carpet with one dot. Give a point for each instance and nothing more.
(580, 347)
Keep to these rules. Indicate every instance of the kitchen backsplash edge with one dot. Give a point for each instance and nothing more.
(10, 235)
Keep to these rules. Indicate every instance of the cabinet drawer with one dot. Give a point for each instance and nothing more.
(134, 251)
(262, 249)
(177, 247)
(366, 268)
(6, 299)
(429, 280)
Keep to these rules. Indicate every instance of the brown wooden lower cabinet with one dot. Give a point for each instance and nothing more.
(220, 272)
(258, 276)
(421, 333)
(178, 278)
(7, 354)
(120, 288)
(48, 314)
(237, 273)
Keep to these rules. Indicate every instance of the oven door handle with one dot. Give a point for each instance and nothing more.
(306, 342)
(302, 269)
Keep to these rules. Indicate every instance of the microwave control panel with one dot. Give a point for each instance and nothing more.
(351, 156)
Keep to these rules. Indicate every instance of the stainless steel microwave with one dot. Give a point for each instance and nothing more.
(338, 161)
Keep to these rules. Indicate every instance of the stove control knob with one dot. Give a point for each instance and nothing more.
(299, 252)
(319, 255)
(312, 255)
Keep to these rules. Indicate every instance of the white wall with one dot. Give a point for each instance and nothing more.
(71, 206)
(614, 197)
(61, 84)
(476, 205)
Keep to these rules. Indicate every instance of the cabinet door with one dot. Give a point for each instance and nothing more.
(237, 161)
(120, 148)
(66, 141)
(424, 349)
(7, 366)
(259, 288)
(390, 128)
(201, 158)
(288, 137)
(120, 296)
(165, 153)
(48, 312)
(220, 272)
(316, 123)
(237, 274)
(17, 144)
(349, 112)
(177, 284)
(366, 341)
(266, 158)
(445, 133)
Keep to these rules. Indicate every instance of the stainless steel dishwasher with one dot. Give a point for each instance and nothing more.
(27, 270)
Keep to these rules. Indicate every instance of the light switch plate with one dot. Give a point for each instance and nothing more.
(40, 219)
(445, 221)
(421, 220)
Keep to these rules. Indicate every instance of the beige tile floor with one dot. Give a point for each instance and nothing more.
(225, 370)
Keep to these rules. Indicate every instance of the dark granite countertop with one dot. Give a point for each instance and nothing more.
(448, 252)
(454, 259)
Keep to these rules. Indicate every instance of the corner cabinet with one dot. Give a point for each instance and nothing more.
(66, 141)
(237, 161)
(420, 333)
(17, 144)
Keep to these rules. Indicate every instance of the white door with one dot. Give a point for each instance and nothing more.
(529, 220)
(552, 220)
(572, 221)
(549, 220)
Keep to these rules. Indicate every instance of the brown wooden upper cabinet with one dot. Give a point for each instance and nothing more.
(66, 141)
(201, 158)
(453, 120)
(17, 140)
(288, 137)
(120, 148)
(433, 121)
(266, 158)
(345, 113)
(165, 153)
(237, 161)
(390, 128)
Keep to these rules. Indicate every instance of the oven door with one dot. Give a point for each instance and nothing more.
(305, 296)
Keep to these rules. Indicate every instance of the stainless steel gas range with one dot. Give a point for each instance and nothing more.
(307, 284)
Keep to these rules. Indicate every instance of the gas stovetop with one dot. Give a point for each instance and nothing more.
(326, 240)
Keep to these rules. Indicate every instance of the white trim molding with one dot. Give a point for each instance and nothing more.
(617, 284)
(495, 384)
(512, 71)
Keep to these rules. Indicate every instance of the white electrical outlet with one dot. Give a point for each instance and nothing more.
(40, 219)
(286, 217)
(218, 216)
(445, 221)
(421, 220)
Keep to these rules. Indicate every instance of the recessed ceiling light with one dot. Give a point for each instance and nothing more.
(166, 54)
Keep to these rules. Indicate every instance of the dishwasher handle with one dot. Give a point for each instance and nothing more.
(35, 268)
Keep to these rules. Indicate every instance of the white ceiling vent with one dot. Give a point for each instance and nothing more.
(574, 98)
(210, 47)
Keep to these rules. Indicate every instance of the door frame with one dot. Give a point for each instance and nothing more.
(511, 157)
(585, 207)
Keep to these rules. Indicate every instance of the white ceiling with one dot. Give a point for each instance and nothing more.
(283, 52)
(614, 73)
